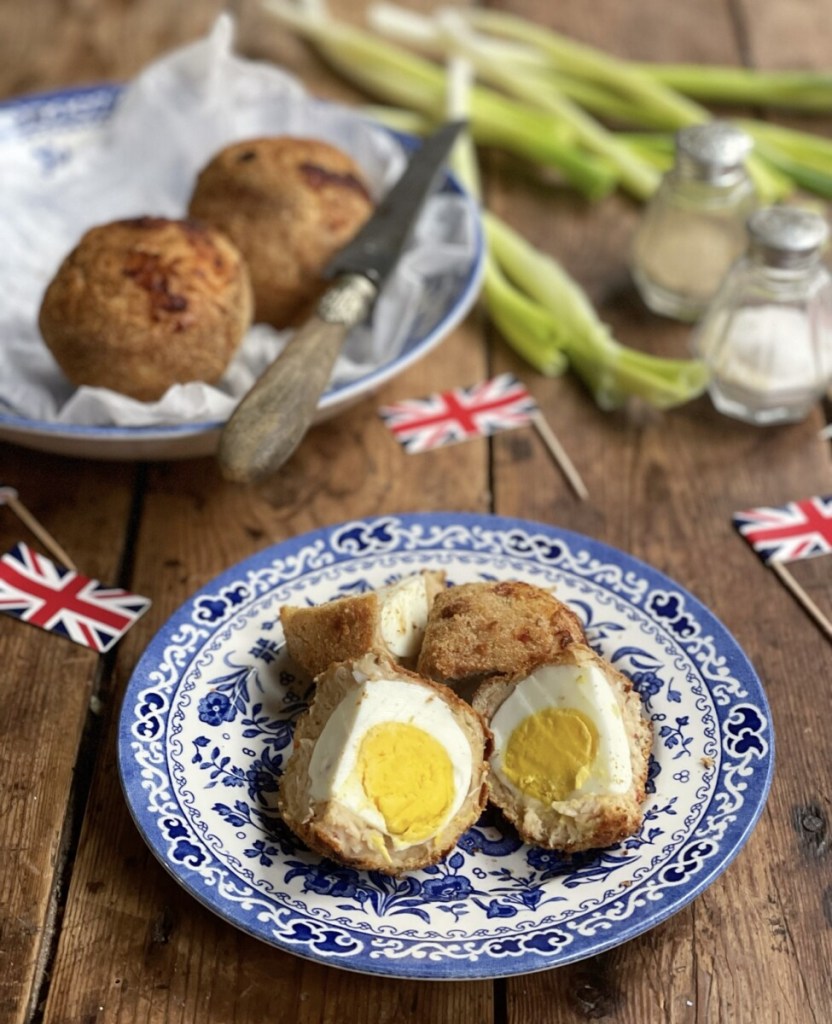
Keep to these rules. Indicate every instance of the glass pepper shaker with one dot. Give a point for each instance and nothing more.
(693, 228)
(767, 337)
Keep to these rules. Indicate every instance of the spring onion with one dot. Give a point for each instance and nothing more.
(602, 121)
(808, 91)
(550, 71)
(543, 313)
(587, 62)
(398, 76)
(613, 372)
(519, 72)
(635, 175)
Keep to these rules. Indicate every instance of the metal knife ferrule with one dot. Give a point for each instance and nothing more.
(348, 300)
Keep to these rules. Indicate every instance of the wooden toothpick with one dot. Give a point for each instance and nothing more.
(800, 595)
(8, 496)
(559, 454)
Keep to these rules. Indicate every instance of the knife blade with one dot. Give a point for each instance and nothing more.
(273, 417)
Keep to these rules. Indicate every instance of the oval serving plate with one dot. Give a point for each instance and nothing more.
(207, 721)
(44, 133)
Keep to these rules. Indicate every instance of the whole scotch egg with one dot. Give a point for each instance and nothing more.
(142, 304)
(289, 204)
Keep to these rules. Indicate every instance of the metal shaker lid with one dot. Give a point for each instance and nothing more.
(714, 152)
(786, 236)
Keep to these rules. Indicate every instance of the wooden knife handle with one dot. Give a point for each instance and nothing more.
(270, 421)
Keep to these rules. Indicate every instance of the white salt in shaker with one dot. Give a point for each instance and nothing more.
(693, 228)
(767, 337)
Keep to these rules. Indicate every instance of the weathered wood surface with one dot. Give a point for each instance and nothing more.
(93, 929)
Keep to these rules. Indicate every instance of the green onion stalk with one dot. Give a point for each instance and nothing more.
(521, 73)
(540, 310)
(638, 177)
(534, 334)
(806, 91)
(397, 76)
(613, 372)
(586, 62)
(571, 80)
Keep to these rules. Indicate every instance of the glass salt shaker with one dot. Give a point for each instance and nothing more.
(767, 337)
(693, 228)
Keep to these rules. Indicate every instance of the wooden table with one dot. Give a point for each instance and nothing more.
(93, 928)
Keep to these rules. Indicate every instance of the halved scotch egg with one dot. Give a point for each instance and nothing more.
(387, 769)
(571, 747)
(391, 619)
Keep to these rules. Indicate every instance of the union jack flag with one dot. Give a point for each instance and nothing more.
(63, 601)
(422, 424)
(801, 529)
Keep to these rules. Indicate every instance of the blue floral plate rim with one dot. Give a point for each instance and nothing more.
(211, 685)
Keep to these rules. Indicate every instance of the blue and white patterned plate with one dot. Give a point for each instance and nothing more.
(206, 727)
(44, 134)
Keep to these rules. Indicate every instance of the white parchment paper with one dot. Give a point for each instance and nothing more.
(168, 123)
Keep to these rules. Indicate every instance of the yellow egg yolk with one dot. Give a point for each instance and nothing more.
(550, 753)
(408, 776)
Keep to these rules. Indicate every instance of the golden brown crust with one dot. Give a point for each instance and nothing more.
(341, 630)
(345, 628)
(142, 304)
(590, 822)
(477, 630)
(331, 829)
(289, 204)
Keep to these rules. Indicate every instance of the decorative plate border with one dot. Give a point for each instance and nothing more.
(475, 915)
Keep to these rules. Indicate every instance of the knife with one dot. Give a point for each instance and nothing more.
(272, 418)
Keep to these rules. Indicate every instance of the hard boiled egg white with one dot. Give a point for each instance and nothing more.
(404, 615)
(560, 736)
(392, 753)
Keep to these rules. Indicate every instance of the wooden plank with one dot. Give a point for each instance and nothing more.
(50, 45)
(46, 689)
(801, 805)
(135, 946)
(48, 684)
(751, 947)
(131, 937)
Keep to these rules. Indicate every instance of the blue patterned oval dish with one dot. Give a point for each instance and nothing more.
(206, 728)
(42, 137)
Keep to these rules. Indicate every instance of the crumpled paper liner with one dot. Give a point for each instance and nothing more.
(166, 126)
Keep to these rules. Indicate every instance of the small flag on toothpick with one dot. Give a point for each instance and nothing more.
(10, 497)
(62, 601)
(501, 403)
(789, 533)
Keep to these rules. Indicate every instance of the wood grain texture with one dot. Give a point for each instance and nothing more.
(104, 934)
(46, 688)
(133, 945)
(664, 487)
(50, 44)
